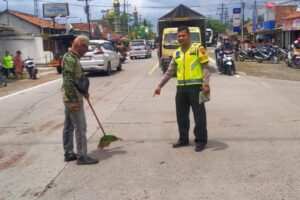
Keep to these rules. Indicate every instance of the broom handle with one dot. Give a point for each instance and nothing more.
(96, 116)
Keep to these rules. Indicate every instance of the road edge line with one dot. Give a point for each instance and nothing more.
(28, 89)
(153, 69)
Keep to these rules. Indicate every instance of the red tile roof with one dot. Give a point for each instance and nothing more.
(36, 20)
(293, 16)
(81, 26)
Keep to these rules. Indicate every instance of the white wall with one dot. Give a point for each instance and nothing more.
(29, 46)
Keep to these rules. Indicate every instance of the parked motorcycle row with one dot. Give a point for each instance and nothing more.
(271, 54)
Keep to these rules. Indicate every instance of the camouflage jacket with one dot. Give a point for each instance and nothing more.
(72, 71)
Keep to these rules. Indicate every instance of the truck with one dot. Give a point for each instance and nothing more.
(60, 45)
(209, 36)
(167, 32)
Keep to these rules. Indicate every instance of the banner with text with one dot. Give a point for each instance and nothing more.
(237, 20)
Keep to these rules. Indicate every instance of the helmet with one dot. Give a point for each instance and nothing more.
(298, 39)
(225, 39)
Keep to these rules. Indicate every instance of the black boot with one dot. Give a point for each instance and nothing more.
(70, 157)
(86, 161)
(180, 144)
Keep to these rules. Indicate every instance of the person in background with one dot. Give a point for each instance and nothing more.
(2, 79)
(8, 66)
(18, 64)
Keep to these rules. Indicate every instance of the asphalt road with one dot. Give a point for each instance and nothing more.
(253, 150)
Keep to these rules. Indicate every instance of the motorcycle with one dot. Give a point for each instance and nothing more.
(228, 63)
(122, 50)
(266, 54)
(30, 67)
(281, 54)
(293, 58)
(247, 54)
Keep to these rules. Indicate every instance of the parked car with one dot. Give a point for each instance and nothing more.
(139, 48)
(102, 56)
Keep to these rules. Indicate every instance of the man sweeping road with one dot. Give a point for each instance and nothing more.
(190, 61)
(73, 101)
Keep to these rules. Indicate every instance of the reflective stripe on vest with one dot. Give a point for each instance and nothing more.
(189, 68)
(7, 62)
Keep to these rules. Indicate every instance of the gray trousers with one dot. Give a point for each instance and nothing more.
(77, 121)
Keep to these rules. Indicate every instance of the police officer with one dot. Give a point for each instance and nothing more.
(190, 61)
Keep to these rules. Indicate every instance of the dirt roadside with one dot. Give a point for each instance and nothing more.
(14, 85)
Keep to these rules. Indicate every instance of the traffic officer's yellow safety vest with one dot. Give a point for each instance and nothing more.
(7, 62)
(189, 68)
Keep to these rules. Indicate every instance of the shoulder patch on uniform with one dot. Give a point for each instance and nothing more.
(202, 49)
(177, 54)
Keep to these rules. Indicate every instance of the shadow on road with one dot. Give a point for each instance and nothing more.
(106, 153)
(216, 145)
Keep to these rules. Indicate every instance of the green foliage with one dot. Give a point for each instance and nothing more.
(217, 27)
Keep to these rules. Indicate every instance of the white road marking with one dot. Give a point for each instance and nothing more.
(153, 69)
(212, 60)
(29, 89)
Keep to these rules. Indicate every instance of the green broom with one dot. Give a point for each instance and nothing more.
(105, 140)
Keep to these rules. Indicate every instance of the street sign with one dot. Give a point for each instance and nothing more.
(52, 10)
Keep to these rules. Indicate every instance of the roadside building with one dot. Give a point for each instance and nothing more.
(28, 33)
(272, 29)
(291, 27)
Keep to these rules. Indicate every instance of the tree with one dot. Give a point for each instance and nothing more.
(218, 27)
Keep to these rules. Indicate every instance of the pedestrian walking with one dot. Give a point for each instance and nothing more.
(18, 64)
(190, 62)
(73, 102)
(8, 66)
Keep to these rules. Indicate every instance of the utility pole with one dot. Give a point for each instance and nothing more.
(243, 18)
(36, 7)
(87, 11)
(226, 15)
(222, 12)
(7, 11)
(128, 26)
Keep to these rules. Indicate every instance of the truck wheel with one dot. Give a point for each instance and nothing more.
(59, 69)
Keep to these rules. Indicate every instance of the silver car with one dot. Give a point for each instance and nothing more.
(102, 56)
(139, 48)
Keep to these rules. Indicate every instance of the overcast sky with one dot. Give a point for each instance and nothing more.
(149, 9)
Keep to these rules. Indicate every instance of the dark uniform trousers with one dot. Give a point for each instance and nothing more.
(186, 97)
